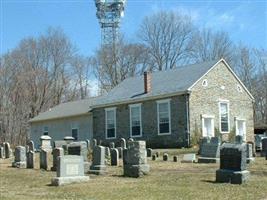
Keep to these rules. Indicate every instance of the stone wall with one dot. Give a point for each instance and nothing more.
(222, 85)
(177, 138)
(59, 128)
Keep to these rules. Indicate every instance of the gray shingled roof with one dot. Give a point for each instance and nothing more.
(163, 83)
(68, 109)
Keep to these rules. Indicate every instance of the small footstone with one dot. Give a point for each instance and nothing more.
(175, 158)
(189, 158)
(165, 157)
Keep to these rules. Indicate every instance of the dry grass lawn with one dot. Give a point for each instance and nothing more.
(167, 180)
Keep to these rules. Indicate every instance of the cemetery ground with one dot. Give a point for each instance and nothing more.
(167, 180)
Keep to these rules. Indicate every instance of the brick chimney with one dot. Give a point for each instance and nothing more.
(147, 82)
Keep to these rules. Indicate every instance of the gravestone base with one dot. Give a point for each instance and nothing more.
(97, 169)
(208, 160)
(250, 160)
(21, 165)
(230, 176)
(136, 170)
(58, 181)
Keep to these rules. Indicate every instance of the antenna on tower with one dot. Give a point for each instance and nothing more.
(109, 14)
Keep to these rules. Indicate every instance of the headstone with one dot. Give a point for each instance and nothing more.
(157, 154)
(60, 144)
(45, 142)
(70, 170)
(114, 157)
(233, 164)
(149, 152)
(27, 148)
(107, 152)
(31, 145)
(189, 158)
(80, 149)
(120, 150)
(94, 143)
(88, 144)
(130, 140)
(165, 157)
(175, 158)
(249, 153)
(238, 139)
(209, 150)
(112, 145)
(123, 143)
(20, 157)
(135, 159)
(44, 159)
(154, 157)
(98, 164)
(2, 155)
(30, 159)
(56, 153)
(264, 146)
(7, 150)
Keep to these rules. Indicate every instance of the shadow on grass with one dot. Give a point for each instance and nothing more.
(209, 181)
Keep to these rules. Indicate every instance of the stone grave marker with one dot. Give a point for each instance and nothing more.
(112, 145)
(80, 149)
(165, 157)
(2, 153)
(114, 157)
(44, 159)
(238, 139)
(264, 146)
(88, 144)
(135, 159)
(45, 142)
(98, 163)
(149, 152)
(69, 139)
(30, 159)
(20, 157)
(250, 157)
(154, 157)
(210, 151)
(8, 151)
(70, 170)
(157, 154)
(189, 158)
(130, 140)
(123, 143)
(120, 150)
(94, 143)
(56, 153)
(233, 164)
(175, 158)
(31, 145)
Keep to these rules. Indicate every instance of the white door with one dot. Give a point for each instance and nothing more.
(207, 127)
(241, 128)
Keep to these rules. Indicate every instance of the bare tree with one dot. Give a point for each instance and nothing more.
(167, 36)
(207, 45)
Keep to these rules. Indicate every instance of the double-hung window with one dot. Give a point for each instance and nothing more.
(135, 120)
(224, 117)
(45, 132)
(74, 133)
(110, 123)
(164, 117)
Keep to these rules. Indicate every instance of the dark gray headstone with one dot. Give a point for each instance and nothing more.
(114, 157)
(44, 159)
(30, 159)
(264, 146)
(56, 153)
(31, 145)
(165, 157)
(7, 150)
(154, 157)
(98, 164)
(135, 159)
(175, 158)
(149, 152)
(94, 143)
(120, 150)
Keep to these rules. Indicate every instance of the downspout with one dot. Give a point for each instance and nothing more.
(187, 130)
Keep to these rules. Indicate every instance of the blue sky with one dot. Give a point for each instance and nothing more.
(246, 21)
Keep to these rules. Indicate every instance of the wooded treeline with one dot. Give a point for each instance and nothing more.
(45, 71)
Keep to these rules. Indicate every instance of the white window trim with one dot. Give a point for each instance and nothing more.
(228, 117)
(203, 117)
(115, 122)
(245, 128)
(139, 105)
(169, 105)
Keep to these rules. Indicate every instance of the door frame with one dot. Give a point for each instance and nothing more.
(211, 117)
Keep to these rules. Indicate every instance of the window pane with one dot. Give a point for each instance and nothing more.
(164, 120)
(136, 130)
(224, 117)
(111, 133)
(75, 134)
(136, 120)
